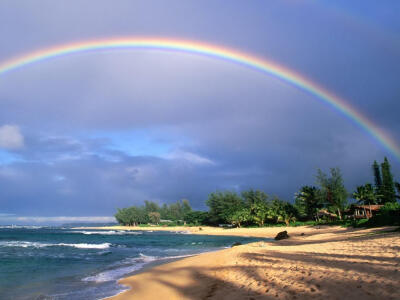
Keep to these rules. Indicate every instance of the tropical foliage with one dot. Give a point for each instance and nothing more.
(255, 207)
(332, 191)
(308, 202)
(151, 212)
(367, 194)
(252, 207)
(384, 190)
(389, 215)
(398, 190)
(388, 186)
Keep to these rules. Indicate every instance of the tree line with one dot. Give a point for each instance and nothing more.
(332, 195)
(255, 207)
(151, 212)
(384, 188)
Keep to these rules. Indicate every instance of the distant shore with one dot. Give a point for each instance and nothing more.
(263, 232)
(327, 262)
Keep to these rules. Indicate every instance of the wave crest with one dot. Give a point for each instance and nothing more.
(26, 244)
(110, 232)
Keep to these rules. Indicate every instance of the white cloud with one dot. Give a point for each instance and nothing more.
(11, 137)
(189, 157)
(58, 178)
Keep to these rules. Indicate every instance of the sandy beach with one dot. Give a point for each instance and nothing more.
(263, 232)
(315, 263)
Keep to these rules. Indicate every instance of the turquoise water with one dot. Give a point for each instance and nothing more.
(62, 263)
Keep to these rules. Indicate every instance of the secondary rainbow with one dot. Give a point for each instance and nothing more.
(260, 64)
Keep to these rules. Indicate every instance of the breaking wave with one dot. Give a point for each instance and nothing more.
(21, 227)
(110, 232)
(25, 244)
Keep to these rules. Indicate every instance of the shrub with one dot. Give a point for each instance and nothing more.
(389, 215)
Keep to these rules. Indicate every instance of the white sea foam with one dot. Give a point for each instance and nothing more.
(183, 232)
(130, 265)
(25, 244)
(110, 232)
(86, 246)
(177, 256)
(114, 274)
(21, 227)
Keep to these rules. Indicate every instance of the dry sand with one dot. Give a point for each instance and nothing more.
(324, 263)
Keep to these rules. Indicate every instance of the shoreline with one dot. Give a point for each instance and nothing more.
(258, 232)
(148, 267)
(325, 263)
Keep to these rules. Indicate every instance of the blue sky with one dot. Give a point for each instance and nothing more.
(84, 134)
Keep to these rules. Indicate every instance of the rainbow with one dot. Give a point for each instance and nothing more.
(250, 61)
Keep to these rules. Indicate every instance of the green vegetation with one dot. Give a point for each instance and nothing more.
(308, 202)
(252, 207)
(223, 206)
(325, 203)
(367, 194)
(388, 215)
(333, 192)
(377, 177)
(152, 213)
(384, 190)
(398, 190)
(388, 187)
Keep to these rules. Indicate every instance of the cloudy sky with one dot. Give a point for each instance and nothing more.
(84, 134)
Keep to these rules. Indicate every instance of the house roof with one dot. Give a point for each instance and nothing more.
(324, 212)
(368, 207)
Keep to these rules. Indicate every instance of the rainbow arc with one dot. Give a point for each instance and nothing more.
(260, 64)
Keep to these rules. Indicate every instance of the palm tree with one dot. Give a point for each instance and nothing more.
(288, 213)
(281, 211)
(260, 212)
(307, 201)
(366, 195)
(274, 208)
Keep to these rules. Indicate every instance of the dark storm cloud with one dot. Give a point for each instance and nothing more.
(85, 176)
(222, 126)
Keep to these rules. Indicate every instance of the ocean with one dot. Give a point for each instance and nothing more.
(63, 263)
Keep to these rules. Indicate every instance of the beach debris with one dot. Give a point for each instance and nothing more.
(236, 244)
(302, 234)
(282, 235)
